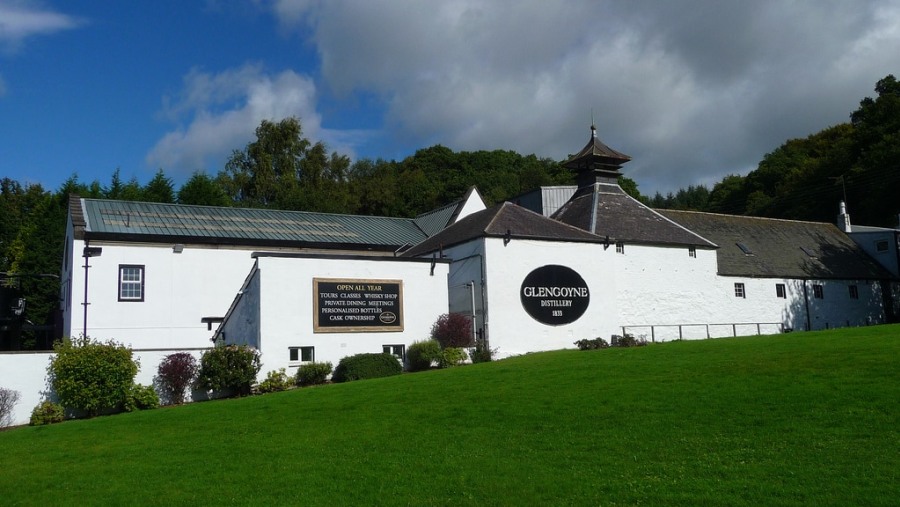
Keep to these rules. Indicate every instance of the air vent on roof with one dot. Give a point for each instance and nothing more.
(809, 252)
(744, 248)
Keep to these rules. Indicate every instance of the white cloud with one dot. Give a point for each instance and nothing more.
(219, 113)
(20, 20)
(222, 111)
(693, 90)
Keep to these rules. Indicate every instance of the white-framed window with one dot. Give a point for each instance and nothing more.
(396, 350)
(131, 282)
(854, 292)
(620, 247)
(301, 354)
(739, 291)
(692, 251)
(818, 291)
(780, 290)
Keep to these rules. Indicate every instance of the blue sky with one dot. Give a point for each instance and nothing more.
(693, 90)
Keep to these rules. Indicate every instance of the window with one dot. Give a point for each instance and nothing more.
(881, 246)
(397, 350)
(302, 354)
(739, 291)
(692, 251)
(620, 247)
(854, 292)
(780, 291)
(818, 291)
(131, 282)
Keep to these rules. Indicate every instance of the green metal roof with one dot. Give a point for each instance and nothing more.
(127, 220)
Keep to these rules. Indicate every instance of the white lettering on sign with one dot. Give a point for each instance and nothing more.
(556, 292)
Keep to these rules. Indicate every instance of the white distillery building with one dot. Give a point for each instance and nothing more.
(584, 261)
(162, 276)
(158, 276)
(661, 275)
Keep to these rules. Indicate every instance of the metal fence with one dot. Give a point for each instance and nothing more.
(667, 332)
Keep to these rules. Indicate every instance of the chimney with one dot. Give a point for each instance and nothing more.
(843, 219)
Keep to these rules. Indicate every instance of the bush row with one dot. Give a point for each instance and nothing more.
(90, 377)
(617, 341)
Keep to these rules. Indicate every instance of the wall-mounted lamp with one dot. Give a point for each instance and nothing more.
(507, 237)
(92, 251)
(178, 248)
(606, 243)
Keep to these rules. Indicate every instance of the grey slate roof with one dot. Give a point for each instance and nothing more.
(141, 221)
(495, 222)
(780, 248)
(606, 210)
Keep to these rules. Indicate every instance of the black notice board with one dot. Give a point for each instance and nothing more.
(349, 305)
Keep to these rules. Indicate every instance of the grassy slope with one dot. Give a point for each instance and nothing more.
(797, 419)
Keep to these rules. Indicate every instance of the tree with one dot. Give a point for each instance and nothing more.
(203, 190)
(267, 172)
(159, 189)
(877, 146)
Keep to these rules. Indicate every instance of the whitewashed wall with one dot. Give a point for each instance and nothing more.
(665, 294)
(26, 372)
(179, 290)
(666, 286)
(512, 330)
(286, 307)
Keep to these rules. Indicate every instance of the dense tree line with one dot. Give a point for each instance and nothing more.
(804, 179)
(282, 169)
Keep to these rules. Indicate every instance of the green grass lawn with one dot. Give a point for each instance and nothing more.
(796, 419)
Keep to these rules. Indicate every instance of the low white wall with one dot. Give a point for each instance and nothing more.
(26, 372)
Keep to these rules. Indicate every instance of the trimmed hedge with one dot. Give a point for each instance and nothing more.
(92, 376)
(311, 374)
(229, 368)
(366, 366)
(422, 355)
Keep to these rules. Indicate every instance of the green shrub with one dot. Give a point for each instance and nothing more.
(366, 366)
(311, 374)
(8, 400)
(175, 374)
(482, 353)
(422, 355)
(628, 340)
(452, 330)
(596, 343)
(91, 376)
(229, 369)
(47, 412)
(141, 398)
(275, 381)
(452, 356)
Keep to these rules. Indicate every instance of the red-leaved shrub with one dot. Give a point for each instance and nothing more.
(175, 374)
(453, 330)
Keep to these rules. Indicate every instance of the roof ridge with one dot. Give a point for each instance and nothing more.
(745, 216)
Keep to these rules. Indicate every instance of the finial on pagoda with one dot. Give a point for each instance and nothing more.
(596, 162)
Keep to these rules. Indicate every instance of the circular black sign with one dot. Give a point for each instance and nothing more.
(555, 295)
